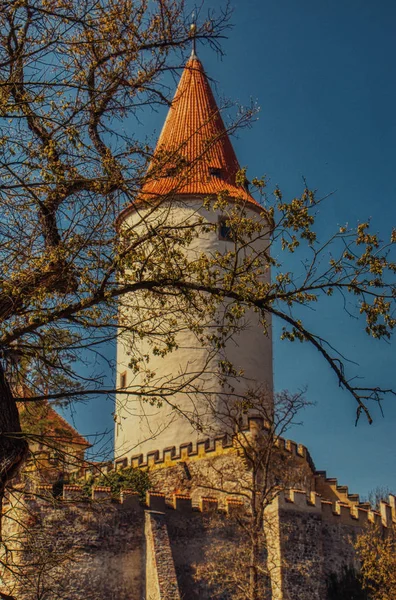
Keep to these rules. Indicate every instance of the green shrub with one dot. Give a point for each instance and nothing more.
(128, 478)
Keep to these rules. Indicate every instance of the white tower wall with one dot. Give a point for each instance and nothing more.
(141, 427)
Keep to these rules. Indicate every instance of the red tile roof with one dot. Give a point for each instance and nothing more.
(41, 419)
(194, 154)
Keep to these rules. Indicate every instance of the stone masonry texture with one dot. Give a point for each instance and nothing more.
(186, 543)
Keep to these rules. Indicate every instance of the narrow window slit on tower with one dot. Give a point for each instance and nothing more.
(225, 230)
(123, 379)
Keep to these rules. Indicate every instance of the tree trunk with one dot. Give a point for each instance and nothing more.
(253, 570)
(254, 537)
(13, 447)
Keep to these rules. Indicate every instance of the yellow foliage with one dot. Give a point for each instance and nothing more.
(377, 554)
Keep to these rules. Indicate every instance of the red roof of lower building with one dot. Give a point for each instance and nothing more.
(45, 421)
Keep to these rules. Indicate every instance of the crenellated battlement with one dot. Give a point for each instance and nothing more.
(290, 500)
(155, 501)
(338, 512)
(329, 488)
(190, 452)
(187, 451)
(209, 448)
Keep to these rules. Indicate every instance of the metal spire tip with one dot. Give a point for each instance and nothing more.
(193, 30)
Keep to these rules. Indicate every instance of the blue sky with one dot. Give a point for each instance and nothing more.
(323, 76)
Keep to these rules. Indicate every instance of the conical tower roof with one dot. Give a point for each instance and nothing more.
(194, 155)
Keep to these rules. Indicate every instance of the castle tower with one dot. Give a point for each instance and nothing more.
(193, 160)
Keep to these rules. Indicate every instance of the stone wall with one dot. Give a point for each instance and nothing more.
(70, 549)
(161, 581)
(74, 551)
(294, 539)
(310, 538)
(211, 554)
(219, 471)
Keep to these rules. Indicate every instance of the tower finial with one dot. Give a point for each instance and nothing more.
(193, 30)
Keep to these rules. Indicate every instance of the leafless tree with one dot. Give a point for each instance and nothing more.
(264, 469)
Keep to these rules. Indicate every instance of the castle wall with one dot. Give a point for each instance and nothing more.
(221, 474)
(211, 554)
(142, 427)
(294, 538)
(176, 548)
(337, 547)
(310, 538)
(75, 551)
(161, 581)
(216, 464)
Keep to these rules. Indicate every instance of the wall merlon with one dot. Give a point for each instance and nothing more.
(152, 458)
(392, 504)
(302, 450)
(354, 498)
(314, 499)
(73, 493)
(101, 493)
(321, 474)
(120, 463)
(362, 515)
(375, 518)
(185, 451)
(169, 454)
(182, 502)
(219, 444)
(202, 447)
(208, 504)
(129, 498)
(386, 513)
(234, 506)
(291, 446)
(156, 501)
(137, 461)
